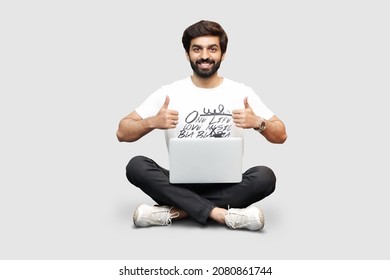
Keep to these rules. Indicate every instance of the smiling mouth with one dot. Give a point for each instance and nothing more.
(205, 65)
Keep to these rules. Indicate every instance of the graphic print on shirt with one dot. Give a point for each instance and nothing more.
(207, 123)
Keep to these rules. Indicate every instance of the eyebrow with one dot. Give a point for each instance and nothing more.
(201, 47)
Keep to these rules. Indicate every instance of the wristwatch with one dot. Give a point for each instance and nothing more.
(262, 126)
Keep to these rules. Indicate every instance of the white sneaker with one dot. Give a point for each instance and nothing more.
(251, 218)
(146, 215)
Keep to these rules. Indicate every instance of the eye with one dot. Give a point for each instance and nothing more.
(213, 49)
(196, 49)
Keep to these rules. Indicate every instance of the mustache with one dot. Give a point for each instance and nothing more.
(207, 60)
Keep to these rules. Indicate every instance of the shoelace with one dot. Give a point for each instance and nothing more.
(163, 217)
(237, 220)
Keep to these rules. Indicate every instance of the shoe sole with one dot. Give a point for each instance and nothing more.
(262, 219)
(135, 215)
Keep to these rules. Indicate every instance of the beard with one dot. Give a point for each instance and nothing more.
(203, 73)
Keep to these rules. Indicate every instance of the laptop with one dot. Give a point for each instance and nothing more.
(206, 160)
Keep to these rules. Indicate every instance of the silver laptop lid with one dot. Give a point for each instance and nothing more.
(207, 160)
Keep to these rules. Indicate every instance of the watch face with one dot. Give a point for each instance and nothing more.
(262, 126)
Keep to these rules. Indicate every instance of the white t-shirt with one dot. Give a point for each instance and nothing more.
(203, 112)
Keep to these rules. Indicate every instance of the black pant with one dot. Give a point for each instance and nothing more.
(197, 200)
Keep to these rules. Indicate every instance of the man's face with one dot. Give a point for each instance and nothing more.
(205, 56)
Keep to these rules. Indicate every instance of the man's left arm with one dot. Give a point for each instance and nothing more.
(273, 129)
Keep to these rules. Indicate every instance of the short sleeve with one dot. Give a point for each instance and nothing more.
(151, 105)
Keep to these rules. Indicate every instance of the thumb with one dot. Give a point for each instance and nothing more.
(246, 104)
(166, 103)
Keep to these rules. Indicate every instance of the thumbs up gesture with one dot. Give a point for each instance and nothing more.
(166, 118)
(245, 118)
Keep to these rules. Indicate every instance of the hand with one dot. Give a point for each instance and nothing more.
(245, 118)
(166, 118)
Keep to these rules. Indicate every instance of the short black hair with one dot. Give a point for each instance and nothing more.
(205, 28)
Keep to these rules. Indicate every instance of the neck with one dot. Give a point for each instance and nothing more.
(211, 82)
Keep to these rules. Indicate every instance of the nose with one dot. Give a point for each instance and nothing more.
(205, 54)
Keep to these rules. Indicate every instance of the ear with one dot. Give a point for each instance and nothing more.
(187, 56)
(223, 57)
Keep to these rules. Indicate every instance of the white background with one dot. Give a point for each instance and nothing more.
(70, 70)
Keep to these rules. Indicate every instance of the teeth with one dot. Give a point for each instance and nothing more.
(206, 65)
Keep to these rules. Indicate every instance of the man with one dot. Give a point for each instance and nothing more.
(174, 108)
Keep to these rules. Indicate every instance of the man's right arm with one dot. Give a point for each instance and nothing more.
(133, 127)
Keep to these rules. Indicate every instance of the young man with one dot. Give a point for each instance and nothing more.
(176, 108)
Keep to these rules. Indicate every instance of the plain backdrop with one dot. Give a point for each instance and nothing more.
(70, 70)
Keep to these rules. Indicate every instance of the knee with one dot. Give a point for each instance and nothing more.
(133, 168)
(269, 179)
(265, 180)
